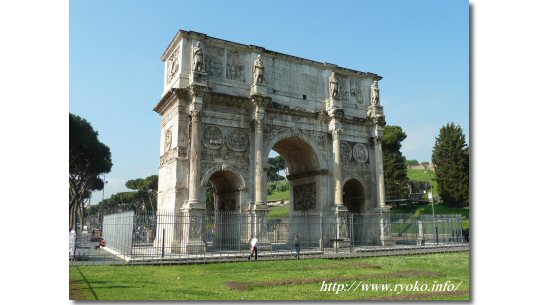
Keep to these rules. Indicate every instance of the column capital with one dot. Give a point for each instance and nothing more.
(336, 113)
(194, 111)
(195, 91)
(337, 132)
(260, 101)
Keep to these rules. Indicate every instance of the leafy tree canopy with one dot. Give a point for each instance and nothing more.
(88, 158)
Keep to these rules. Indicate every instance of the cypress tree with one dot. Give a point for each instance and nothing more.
(394, 163)
(450, 157)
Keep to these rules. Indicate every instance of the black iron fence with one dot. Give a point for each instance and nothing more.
(206, 235)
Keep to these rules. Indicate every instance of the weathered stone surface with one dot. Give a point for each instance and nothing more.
(226, 105)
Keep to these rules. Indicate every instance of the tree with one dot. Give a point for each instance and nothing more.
(88, 158)
(450, 158)
(146, 193)
(276, 164)
(394, 165)
(412, 163)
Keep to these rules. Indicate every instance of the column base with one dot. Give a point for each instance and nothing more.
(192, 205)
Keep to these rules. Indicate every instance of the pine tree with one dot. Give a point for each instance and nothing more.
(394, 165)
(450, 157)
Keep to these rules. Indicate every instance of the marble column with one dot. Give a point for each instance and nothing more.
(258, 146)
(259, 211)
(378, 134)
(191, 218)
(194, 173)
(337, 167)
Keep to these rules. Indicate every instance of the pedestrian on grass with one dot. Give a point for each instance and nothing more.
(297, 245)
(254, 248)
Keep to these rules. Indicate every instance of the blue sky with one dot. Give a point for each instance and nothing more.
(421, 48)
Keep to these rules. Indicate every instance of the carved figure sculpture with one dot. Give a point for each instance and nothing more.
(259, 71)
(374, 100)
(333, 86)
(198, 58)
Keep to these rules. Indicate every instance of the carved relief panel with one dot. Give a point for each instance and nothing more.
(235, 66)
(172, 65)
(225, 145)
(345, 151)
(356, 159)
(304, 197)
(214, 62)
(237, 140)
(356, 90)
(343, 90)
(360, 152)
(168, 139)
(212, 137)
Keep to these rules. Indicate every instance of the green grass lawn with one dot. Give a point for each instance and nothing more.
(279, 196)
(275, 280)
(279, 212)
(417, 211)
(422, 175)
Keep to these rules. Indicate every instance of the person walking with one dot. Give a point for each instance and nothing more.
(297, 244)
(254, 248)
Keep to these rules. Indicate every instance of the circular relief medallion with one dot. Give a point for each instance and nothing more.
(237, 140)
(212, 137)
(345, 151)
(360, 152)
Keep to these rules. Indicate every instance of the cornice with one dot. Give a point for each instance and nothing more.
(169, 97)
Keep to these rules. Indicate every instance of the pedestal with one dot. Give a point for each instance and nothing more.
(258, 89)
(385, 227)
(198, 78)
(342, 239)
(192, 223)
(258, 218)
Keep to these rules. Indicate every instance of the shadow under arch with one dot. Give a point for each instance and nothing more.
(307, 174)
(223, 223)
(354, 196)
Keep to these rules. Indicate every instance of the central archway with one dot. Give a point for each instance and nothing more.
(303, 168)
(305, 178)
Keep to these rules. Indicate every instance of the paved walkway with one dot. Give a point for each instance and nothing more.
(108, 256)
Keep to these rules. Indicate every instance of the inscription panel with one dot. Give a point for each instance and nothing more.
(296, 79)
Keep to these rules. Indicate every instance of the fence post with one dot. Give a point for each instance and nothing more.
(321, 231)
(162, 247)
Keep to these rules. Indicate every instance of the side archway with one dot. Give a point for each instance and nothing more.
(354, 196)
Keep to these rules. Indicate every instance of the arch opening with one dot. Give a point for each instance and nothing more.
(354, 199)
(223, 203)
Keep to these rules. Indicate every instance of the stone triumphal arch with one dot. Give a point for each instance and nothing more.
(226, 105)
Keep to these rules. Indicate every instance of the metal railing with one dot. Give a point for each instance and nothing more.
(226, 235)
